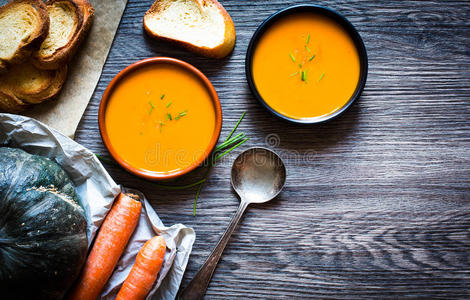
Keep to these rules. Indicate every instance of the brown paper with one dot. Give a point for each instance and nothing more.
(64, 113)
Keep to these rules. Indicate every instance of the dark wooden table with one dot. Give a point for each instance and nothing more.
(377, 202)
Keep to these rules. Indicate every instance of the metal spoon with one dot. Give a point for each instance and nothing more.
(258, 175)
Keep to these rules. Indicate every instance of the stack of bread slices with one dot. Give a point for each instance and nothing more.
(37, 40)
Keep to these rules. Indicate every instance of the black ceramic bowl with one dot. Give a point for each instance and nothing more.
(339, 19)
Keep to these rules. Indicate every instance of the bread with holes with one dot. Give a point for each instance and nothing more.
(201, 26)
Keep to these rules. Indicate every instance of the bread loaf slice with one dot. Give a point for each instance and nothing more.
(24, 24)
(3, 67)
(10, 103)
(202, 26)
(70, 21)
(32, 85)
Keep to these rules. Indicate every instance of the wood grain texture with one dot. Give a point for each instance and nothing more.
(377, 202)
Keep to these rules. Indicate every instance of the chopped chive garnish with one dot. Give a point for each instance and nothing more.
(311, 58)
(181, 114)
(321, 76)
(300, 66)
(293, 74)
(303, 76)
(168, 105)
(308, 39)
(163, 96)
(161, 125)
(141, 133)
(151, 107)
(292, 57)
(308, 49)
(168, 117)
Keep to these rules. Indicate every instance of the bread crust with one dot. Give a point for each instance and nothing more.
(220, 51)
(26, 47)
(53, 89)
(11, 104)
(3, 67)
(64, 54)
(33, 94)
(230, 35)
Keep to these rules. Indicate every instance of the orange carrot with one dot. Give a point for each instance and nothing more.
(110, 242)
(143, 274)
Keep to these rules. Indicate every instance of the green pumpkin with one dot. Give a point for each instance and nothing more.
(43, 242)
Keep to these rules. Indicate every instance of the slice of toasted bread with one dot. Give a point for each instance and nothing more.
(24, 24)
(202, 26)
(10, 103)
(32, 85)
(3, 67)
(70, 21)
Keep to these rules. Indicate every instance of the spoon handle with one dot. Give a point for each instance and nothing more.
(198, 285)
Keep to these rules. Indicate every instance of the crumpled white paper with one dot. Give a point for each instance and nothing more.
(97, 191)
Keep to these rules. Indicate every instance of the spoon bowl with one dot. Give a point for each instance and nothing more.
(258, 175)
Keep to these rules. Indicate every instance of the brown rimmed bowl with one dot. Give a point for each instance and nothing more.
(145, 63)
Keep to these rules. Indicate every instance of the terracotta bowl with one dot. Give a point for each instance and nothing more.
(145, 63)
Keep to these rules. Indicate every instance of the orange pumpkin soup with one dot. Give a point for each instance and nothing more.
(306, 66)
(160, 118)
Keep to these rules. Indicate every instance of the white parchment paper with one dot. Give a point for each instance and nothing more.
(97, 191)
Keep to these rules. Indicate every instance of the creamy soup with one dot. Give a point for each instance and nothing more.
(160, 118)
(305, 66)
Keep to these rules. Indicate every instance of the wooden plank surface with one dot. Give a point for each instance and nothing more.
(377, 202)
